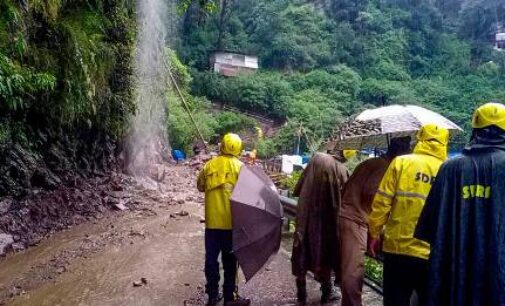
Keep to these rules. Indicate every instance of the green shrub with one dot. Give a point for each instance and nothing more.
(374, 270)
(290, 181)
(266, 148)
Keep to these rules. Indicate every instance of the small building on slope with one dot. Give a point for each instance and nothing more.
(500, 41)
(231, 64)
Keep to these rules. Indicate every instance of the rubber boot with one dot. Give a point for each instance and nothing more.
(214, 300)
(329, 294)
(301, 291)
(238, 302)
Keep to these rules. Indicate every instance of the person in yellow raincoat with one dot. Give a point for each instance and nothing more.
(217, 179)
(251, 159)
(396, 208)
(348, 154)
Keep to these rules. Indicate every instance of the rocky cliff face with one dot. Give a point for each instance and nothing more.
(65, 100)
(65, 90)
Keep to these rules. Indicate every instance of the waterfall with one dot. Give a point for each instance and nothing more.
(148, 135)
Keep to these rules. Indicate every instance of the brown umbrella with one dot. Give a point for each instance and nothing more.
(257, 220)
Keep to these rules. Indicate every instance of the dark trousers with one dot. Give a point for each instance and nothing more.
(402, 275)
(220, 242)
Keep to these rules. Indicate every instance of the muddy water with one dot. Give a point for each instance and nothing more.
(164, 253)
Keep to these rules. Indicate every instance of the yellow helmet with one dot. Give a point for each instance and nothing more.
(348, 154)
(232, 144)
(433, 132)
(489, 114)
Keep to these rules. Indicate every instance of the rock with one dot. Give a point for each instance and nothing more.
(189, 199)
(61, 270)
(181, 201)
(206, 157)
(17, 247)
(5, 205)
(6, 241)
(15, 291)
(120, 206)
(43, 177)
(182, 213)
(113, 201)
(141, 282)
(157, 172)
(117, 194)
(195, 163)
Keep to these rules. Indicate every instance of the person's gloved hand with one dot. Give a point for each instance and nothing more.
(374, 245)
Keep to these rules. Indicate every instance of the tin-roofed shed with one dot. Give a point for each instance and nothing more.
(232, 64)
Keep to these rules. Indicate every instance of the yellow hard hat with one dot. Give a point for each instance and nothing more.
(489, 114)
(433, 132)
(348, 154)
(232, 144)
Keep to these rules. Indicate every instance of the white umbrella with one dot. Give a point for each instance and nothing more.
(374, 127)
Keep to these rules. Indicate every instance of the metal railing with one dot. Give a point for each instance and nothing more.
(289, 206)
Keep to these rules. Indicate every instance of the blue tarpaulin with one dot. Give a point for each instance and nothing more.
(178, 155)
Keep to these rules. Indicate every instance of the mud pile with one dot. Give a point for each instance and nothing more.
(24, 222)
(43, 212)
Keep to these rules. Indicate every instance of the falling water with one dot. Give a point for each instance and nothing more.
(148, 137)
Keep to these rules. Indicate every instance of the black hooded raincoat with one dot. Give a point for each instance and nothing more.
(464, 221)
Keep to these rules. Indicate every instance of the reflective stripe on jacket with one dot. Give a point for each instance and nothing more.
(217, 179)
(401, 197)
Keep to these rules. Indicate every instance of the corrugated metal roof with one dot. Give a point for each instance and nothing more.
(237, 60)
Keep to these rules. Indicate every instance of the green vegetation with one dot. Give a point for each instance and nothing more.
(66, 70)
(373, 270)
(324, 60)
(67, 62)
(65, 84)
(181, 131)
(290, 182)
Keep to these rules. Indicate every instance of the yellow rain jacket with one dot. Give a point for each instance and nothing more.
(402, 194)
(217, 179)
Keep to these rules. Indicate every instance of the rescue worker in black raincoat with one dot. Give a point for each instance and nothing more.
(464, 219)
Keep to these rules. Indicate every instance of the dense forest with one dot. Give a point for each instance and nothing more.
(321, 61)
(67, 86)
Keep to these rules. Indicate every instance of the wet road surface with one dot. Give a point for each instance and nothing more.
(97, 263)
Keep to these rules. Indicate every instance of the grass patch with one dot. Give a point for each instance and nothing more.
(373, 270)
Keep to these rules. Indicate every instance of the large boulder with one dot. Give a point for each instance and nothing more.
(6, 241)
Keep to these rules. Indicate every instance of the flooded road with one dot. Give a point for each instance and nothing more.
(162, 242)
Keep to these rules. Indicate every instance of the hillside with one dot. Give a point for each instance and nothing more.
(324, 60)
(65, 89)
